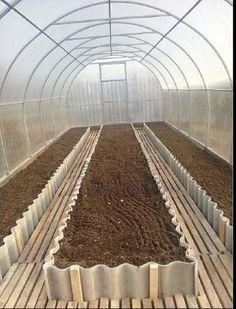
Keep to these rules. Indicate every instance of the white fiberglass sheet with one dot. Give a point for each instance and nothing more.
(13, 134)
(112, 71)
(174, 108)
(220, 134)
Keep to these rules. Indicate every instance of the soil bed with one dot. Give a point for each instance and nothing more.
(120, 215)
(211, 173)
(22, 189)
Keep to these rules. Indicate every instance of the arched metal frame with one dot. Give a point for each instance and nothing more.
(110, 22)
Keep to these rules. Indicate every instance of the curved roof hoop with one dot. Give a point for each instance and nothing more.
(142, 26)
(108, 45)
(91, 63)
(98, 3)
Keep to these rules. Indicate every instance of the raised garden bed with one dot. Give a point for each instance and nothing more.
(211, 173)
(24, 187)
(120, 217)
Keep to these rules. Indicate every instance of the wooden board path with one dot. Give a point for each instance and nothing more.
(24, 286)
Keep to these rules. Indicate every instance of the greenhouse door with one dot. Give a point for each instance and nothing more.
(114, 92)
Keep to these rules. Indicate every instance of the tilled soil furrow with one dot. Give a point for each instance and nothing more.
(120, 215)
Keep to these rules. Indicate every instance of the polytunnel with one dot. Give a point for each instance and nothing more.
(92, 94)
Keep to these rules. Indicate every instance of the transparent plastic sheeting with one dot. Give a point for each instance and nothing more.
(26, 128)
(187, 49)
(95, 101)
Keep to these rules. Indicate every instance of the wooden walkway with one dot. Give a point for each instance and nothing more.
(24, 286)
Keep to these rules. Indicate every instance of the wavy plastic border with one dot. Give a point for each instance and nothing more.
(14, 243)
(214, 216)
(125, 280)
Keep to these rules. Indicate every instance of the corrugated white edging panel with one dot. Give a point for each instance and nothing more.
(125, 279)
(15, 242)
(184, 110)
(199, 116)
(13, 134)
(209, 208)
(220, 134)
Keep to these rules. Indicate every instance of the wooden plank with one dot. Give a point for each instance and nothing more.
(51, 304)
(43, 298)
(72, 304)
(179, 187)
(223, 274)
(147, 303)
(158, 303)
(8, 277)
(115, 303)
(191, 301)
(38, 231)
(217, 283)
(104, 303)
(93, 303)
(36, 292)
(25, 294)
(208, 287)
(61, 304)
(203, 302)
(179, 300)
(227, 261)
(135, 303)
(169, 302)
(83, 304)
(12, 284)
(153, 284)
(20, 286)
(125, 303)
(76, 285)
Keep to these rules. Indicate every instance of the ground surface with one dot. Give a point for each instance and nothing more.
(20, 191)
(120, 215)
(211, 173)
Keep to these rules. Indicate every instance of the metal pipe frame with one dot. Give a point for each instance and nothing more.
(42, 31)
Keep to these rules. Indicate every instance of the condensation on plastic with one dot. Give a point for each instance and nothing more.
(13, 134)
(220, 134)
(48, 119)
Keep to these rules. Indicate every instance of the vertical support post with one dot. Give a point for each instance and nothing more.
(154, 286)
(126, 90)
(4, 153)
(102, 97)
(41, 121)
(76, 285)
(208, 117)
(190, 113)
(26, 131)
(222, 228)
(178, 125)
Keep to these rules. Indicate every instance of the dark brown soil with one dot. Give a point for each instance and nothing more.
(21, 190)
(214, 175)
(120, 215)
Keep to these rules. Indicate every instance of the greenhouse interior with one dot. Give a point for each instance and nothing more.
(116, 154)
